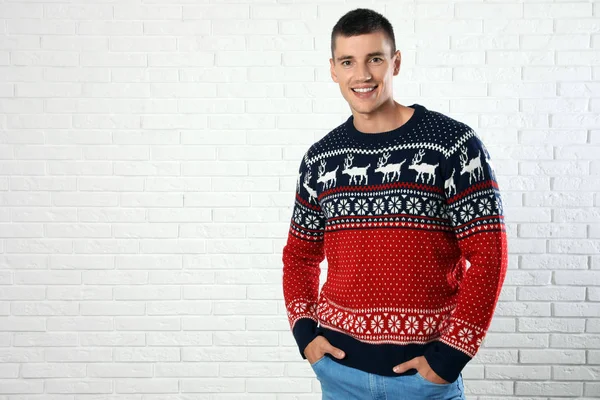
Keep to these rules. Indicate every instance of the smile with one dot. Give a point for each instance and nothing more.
(364, 90)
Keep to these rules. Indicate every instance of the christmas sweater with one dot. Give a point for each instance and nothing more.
(411, 223)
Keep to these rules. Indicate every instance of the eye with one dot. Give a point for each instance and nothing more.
(377, 58)
(345, 65)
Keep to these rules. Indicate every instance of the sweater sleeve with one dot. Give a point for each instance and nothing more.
(474, 208)
(302, 255)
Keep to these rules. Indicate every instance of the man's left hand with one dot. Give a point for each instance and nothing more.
(422, 366)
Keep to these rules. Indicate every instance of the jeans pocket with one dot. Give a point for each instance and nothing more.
(421, 377)
(318, 361)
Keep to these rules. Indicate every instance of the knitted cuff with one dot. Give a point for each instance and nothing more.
(445, 360)
(304, 331)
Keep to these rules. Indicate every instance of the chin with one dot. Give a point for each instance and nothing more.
(365, 109)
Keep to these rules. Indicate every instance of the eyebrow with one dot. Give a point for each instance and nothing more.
(376, 53)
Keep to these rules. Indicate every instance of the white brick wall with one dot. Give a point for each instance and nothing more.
(148, 155)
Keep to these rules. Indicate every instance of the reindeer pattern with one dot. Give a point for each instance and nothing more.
(422, 168)
(330, 177)
(312, 193)
(355, 173)
(471, 166)
(422, 172)
(385, 167)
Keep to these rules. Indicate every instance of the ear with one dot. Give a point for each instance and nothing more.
(397, 62)
(332, 70)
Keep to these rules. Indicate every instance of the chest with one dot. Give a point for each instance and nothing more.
(403, 182)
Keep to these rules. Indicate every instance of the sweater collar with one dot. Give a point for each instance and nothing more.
(388, 135)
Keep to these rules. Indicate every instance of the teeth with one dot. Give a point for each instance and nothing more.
(365, 90)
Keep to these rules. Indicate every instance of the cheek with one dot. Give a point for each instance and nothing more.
(386, 84)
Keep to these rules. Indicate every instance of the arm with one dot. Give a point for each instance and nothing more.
(475, 211)
(302, 255)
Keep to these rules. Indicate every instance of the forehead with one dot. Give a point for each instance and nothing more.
(361, 45)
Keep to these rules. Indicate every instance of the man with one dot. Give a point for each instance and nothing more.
(404, 203)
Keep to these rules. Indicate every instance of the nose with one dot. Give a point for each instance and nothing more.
(363, 73)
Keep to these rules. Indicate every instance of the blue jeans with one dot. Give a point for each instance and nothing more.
(339, 382)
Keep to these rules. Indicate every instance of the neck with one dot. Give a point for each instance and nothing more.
(389, 116)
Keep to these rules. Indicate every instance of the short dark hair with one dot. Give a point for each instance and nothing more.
(362, 21)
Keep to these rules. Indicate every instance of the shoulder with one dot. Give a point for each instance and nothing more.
(456, 132)
(328, 145)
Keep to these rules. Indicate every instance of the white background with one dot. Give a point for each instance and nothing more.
(148, 161)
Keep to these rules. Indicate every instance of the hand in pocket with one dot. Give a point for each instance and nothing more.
(316, 350)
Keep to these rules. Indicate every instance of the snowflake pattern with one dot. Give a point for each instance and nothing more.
(453, 218)
(498, 204)
(429, 325)
(413, 205)
(467, 212)
(377, 324)
(343, 207)
(465, 335)
(411, 325)
(431, 208)
(361, 206)
(444, 211)
(378, 206)
(312, 222)
(297, 215)
(407, 326)
(360, 324)
(485, 207)
(394, 323)
(454, 215)
(329, 209)
(299, 308)
(336, 317)
(348, 323)
(395, 204)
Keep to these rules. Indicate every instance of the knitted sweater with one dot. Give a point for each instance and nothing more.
(412, 226)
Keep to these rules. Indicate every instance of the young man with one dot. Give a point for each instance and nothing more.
(404, 203)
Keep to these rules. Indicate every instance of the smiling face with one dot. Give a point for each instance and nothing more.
(364, 66)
